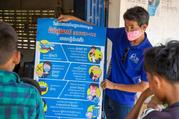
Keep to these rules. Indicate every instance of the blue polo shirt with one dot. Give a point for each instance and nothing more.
(127, 64)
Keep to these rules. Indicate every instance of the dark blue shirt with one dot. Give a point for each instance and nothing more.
(171, 112)
(127, 64)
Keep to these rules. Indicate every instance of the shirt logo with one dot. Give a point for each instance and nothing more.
(134, 58)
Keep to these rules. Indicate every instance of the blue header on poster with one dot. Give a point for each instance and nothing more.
(72, 32)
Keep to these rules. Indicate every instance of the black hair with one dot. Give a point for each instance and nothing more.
(163, 60)
(8, 42)
(93, 47)
(138, 14)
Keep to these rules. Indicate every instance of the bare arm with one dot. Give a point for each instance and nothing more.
(125, 87)
(134, 113)
(66, 18)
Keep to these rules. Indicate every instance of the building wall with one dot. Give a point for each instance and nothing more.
(113, 22)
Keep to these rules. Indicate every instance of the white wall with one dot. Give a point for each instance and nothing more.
(113, 21)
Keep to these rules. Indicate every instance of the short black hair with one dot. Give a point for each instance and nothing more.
(8, 42)
(163, 60)
(138, 14)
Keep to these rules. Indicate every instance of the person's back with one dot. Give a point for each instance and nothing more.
(18, 100)
(162, 66)
(32, 82)
(171, 112)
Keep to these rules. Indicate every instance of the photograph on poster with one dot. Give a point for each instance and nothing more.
(92, 112)
(44, 46)
(43, 69)
(43, 87)
(69, 67)
(95, 55)
(95, 73)
(93, 93)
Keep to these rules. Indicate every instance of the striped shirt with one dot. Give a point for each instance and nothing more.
(17, 99)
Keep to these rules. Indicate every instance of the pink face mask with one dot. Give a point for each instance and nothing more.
(133, 35)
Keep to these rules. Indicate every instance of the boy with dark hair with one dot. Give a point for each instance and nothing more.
(17, 100)
(138, 14)
(162, 67)
(127, 73)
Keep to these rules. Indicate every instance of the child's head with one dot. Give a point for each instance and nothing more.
(9, 56)
(138, 14)
(136, 21)
(162, 66)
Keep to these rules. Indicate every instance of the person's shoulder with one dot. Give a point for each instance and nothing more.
(158, 115)
(29, 88)
(31, 82)
(145, 44)
(147, 41)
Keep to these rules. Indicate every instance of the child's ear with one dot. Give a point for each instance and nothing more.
(144, 26)
(16, 57)
(157, 81)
